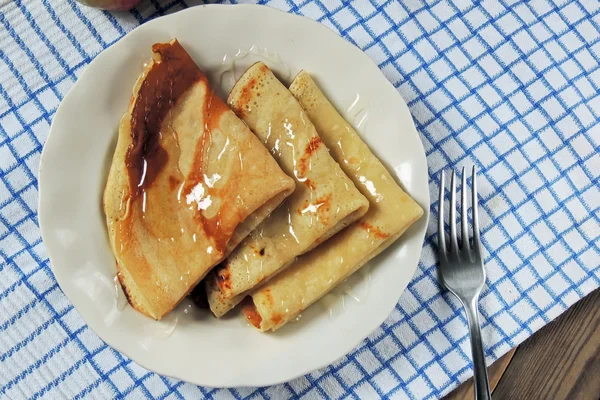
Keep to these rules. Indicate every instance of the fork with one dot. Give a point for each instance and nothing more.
(462, 271)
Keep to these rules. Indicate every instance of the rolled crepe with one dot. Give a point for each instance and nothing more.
(325, 199)
(188, 181)
(391, 212)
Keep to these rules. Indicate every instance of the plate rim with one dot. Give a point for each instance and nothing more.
(420, 226)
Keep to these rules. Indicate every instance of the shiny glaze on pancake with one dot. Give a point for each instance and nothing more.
(180, 191)
(165, 83)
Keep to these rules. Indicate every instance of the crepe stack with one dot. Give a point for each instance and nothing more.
(188, 182)
(324, 202)
(391, 212)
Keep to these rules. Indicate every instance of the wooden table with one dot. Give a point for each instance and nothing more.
(561, 361)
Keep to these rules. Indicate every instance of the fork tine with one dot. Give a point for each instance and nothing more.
(452, 221)
(476, 242)
(441, 234)
(464, 237)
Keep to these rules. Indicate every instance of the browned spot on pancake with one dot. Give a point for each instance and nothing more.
(214, 108)
(269, 297)
(321, 207)
(214, 227)
(173, 182)
(313, 145)
(277, 318)
(165, 83)
(324, 203)
(245, 97)
(310, 184)
(324, 208)
(305, 208)
(122, 282)
(218, 229)
(222, 226)
(196, 172)
(224, 278)
(378, 233)
(311, 148)
(264, 68)
(252, 314)
(130, 299)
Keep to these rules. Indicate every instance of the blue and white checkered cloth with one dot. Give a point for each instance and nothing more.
(510, 86)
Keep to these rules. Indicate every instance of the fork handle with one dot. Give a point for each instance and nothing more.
(480, 376)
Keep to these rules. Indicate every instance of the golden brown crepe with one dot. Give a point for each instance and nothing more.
(391, 212)
(188, 182)
(325, 199)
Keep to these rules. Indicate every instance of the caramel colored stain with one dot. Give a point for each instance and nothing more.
(378, 233)
(324, 205)
(322, 208)
(213, 227)
(165, 83)
(224, 278)
(311, 148)
(214, 108)
(245, 97)
(276, 318)
(310, 184)
(269, 296)
(173, 182)
(352, 160)
(313, 145)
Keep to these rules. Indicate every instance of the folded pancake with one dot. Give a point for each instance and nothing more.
(188, 182)
(391, 212)
(325, 199)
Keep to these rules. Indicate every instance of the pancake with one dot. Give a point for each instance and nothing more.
(188, 181)
(391, 212)
(324, 202)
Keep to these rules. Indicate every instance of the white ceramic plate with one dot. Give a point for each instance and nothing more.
(189, 344)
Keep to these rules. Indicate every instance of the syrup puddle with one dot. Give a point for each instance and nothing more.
(161, 330)
(358, 112)
(120, 299)
(233, 66)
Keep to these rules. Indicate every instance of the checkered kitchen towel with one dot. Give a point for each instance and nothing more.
(511, 86)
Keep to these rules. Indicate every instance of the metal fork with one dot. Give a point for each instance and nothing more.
(462, 271)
